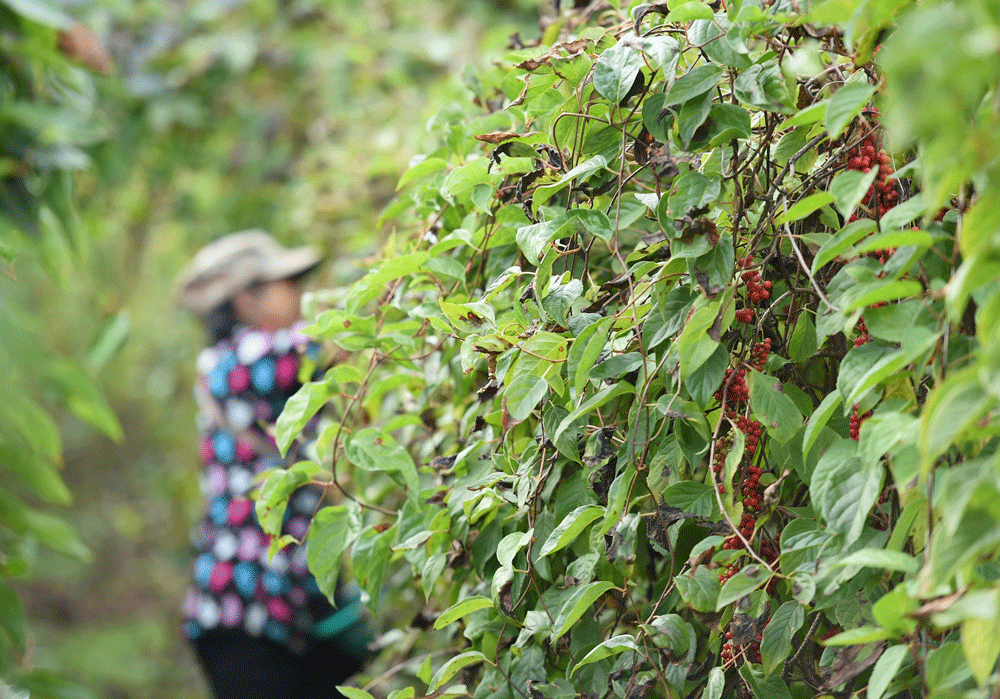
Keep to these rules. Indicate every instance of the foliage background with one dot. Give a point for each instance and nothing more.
(293, 116)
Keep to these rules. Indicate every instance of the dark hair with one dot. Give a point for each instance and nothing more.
(220, 322)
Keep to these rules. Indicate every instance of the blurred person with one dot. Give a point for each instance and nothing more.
(260, 627)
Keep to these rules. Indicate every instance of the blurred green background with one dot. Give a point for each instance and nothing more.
(295, 116)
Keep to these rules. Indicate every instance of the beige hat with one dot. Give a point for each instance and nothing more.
(234, 262)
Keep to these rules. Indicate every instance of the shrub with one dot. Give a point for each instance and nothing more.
(685, 380)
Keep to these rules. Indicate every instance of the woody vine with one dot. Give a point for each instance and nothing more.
(677, 378)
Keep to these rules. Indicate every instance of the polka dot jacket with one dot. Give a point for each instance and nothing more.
(243, 383)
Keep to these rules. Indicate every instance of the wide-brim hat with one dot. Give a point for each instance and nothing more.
(233, 262)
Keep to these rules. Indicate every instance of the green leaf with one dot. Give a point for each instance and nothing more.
(11, 616)
(605, 649)
(881, 559)
(981, 644)
(570, 528)
(885, 670)
(764, 686)
(583, 354)
(577, 604)
(704, 381)
(595, 401)
(776, 641)
(452, 667)
(692, 496)
(272, 497)
(844, 489)
(866, 366)
(374, 283)
(40, 12)
(372, 450)
(695, 82)
(692, 190)
(858, 636)
(803, 343)
(462, 608)
(300, 409)
(849, 187)
(329, 536)
(700, 590)
(716, 684)
(845, 104)
(353, 692)
(747, 579)
(839, 243)
(804, 207)
(946, 667)
(616, 70)
(776, 411)
(523, 395)
(818, 420)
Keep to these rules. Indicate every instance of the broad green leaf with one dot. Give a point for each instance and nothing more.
(511, 544)
(355, 693)
(804, 207)
(776, 411)
(583, 354)
(372, 450)
(595, 401)
(616, 70)
(981, 644)
(849, 187)
(839, 243)
(903, 214)
(845, 104)
(776, 641)
(818, 420)
(803, 343)
(764, 686)
(865, 366)
(885, 670)
(374, 283)
(692, 496)
(272, 496)
(692, 190)
(523, 395)
(946, 667)
(300, 409)
(716, 684)
(881, 559)
(329, 536)
(570, 528)
(462, 608)
(704, 381)
(694, 83)
(859, 635)
(11, 616)
(577, 604)
(700, 589)
(747, 579)
(844, 489)
(605, 649)
(41, 12)
(452, 667)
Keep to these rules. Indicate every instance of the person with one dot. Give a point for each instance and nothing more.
(260, 627)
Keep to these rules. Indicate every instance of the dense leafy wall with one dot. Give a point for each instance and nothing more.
(48, 115)
(685, 380)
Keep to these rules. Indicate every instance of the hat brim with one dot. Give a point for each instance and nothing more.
(293, 263)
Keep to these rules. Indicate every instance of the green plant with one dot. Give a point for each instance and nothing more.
(48, 116)
(684, 380)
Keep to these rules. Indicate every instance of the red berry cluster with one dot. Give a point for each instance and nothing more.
(734, 384)
(882, 195)
(863, 337)
(729, 650)
(752, 492)
(745, 315)
(760, 353)
(856, 422)
(757, 290)
(751, 429)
